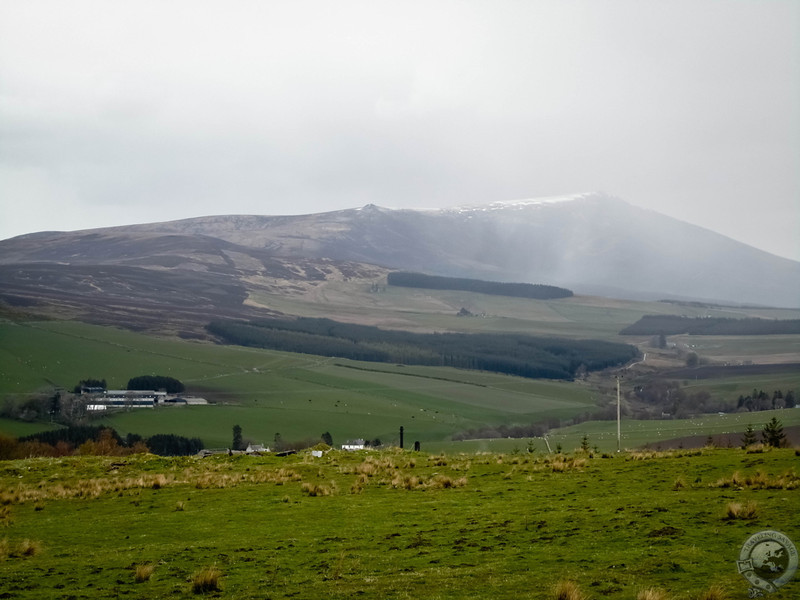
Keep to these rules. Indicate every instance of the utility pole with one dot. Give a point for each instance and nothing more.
(618, 377)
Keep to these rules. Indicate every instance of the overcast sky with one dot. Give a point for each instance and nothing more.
(127, 112)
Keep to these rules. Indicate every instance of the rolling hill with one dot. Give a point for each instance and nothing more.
(185, 271)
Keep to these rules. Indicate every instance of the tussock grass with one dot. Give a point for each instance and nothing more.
(206, 580)
(637, 455)
(28, 547)
(561, 463)
(567, 590)
(736, 510)
(315, 489)
(143, 572)
(652, 594)
(715, 592)
(5, 516)
(436, 482)
(438, 461)
(759, 481)
(201, 476)
(452, 530)
(25, 548)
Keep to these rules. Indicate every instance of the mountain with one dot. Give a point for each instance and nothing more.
(193, 268)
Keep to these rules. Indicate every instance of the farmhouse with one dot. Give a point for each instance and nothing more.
(105, 400)
(354, 445)
(125, 399)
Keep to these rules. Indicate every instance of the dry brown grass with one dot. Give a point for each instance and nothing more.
(436, 482)
(201, 477)
(407, 482)
(567, 590)
(28, 547)
(315, 489)
(23, 549)
(652, 594)
(143, 572)
(206, 580)
(562, 464)
(759, 481)
(747, 511)
(715, 592)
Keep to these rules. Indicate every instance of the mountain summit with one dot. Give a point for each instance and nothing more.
(591, 243)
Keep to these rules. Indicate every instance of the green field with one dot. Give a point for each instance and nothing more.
(436, 310)
(392, 525)
(267, 392)
(302, 396)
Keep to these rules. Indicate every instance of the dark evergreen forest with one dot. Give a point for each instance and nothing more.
(156, 382)
(513, 354)
(673, 325)
(517, 290)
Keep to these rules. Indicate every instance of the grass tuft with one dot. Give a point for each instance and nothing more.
(315, 489)
(715, 592)
(24, 549)
(652, 594)
(5, 516)
(206, 579)
(760, 481)
(737, 510)
(143, 572)
(567, 590)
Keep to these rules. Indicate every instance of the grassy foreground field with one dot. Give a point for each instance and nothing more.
(391, 525)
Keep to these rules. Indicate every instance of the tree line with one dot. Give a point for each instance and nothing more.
(513, 354)
(674, 325)
(761, 400)
(95, 440)
(669, 397)
(156, 382)
(535, 291)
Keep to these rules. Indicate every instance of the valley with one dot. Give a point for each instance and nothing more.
(301, 396)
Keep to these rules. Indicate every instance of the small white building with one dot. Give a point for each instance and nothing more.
(354, 445)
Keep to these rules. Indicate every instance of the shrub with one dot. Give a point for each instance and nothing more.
(206, 579)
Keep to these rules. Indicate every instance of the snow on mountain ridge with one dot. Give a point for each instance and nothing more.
(523, 203)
